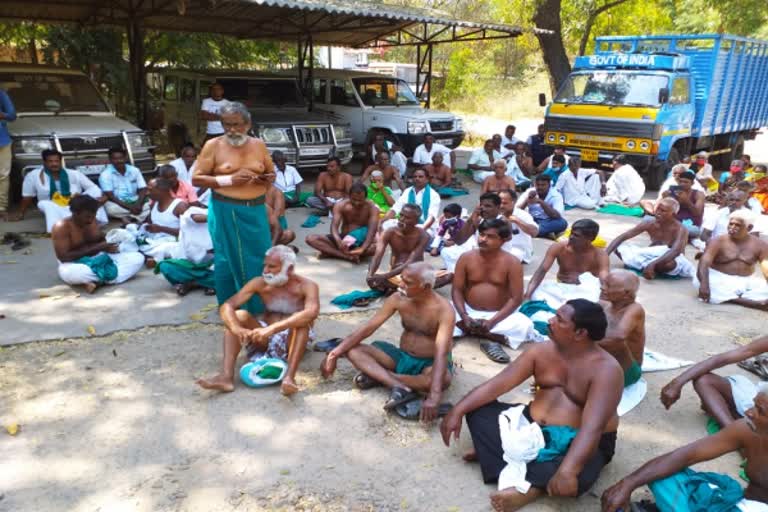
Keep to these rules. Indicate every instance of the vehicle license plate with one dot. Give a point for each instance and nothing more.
(315, 151)
(91, 169)
(445, 142)
(589, 155)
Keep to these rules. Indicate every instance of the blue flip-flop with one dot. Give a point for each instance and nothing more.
(327, 345)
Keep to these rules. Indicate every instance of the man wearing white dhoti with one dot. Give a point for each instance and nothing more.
(53, 187)
(158, 238)
(579, 187)
(625, 186)
(85, 258)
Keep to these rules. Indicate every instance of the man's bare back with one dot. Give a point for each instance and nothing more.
(487, 279)
(633, 346)
(738, 258)
(334, 186)
(220, 158)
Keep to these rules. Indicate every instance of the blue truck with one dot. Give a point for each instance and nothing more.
(656, 99)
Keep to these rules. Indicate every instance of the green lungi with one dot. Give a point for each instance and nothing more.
(181, 271)
(240, 234)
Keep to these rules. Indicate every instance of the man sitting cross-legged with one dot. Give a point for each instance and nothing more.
(407, 242)
(333, 185)
(625, 337)
(487, 289)
(353, 229)
(388, 172)
(423, 361)
(676, 487)
(85, 258)
(726, 270)
(440, 174)
(282, 331)
(499, 180)
(560, 441)
(278, 224)
(581, 267)
(726, 399)
(668, 238)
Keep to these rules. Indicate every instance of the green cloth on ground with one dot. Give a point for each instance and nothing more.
(182, 271)
(290, 197)
(557, 440)
(405, 363)
(101, 265)
(426, 199)
(347, 300)
(269, 371)
(632, 374)
(359, 234)
(283, 222)
(241, 237)
(452, 192)
(620, 209)
(312, 221)
(63, 183)
(377, 196)
(567, 207)
(531, 307)
(690, 491)
(659, 275)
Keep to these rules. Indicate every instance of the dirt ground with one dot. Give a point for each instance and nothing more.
(116, 423)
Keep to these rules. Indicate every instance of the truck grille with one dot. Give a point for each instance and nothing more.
(93, 143)
(310, 135)
(599, 126)
(441, 126)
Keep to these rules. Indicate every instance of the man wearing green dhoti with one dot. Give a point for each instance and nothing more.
(238, 169)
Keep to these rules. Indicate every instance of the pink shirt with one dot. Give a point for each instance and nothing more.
(185, 192)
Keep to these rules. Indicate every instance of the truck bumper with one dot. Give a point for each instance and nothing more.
(411, 141)
(604, 158)
(310, 157)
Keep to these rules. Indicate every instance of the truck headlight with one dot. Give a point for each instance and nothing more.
(417, 127)
(458, 124)
(138, 140)
(342, 132)
(31, 145)
(273, 136)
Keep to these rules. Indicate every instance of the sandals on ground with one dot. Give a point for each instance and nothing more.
(399, 396)
(494, 352)
(363, 382)
(757, 366)
(327, 345)
(412, 410)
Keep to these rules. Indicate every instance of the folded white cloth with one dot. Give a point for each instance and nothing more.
(516, 328)
(521, 441)
(725, 287)
(556, 293)
(743, 391)
(632, 396)
(746, 505)
(657, 362)
(639, 257)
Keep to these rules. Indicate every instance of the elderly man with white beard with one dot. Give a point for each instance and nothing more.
(238, 169)
(292, 304)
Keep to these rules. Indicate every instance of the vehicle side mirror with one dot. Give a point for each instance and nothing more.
(664, 95)
(542, 99)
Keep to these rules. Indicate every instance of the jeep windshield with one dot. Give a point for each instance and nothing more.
(385, 91)
(612, 88)
(51, 92)
(263, 92)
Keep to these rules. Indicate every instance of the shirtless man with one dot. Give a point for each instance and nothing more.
(668, 474)
(278, 224)
(81, 249)
(282, 331)
(422, 363)
(726, 269)
(238, 168)
(331, 187)
(499, 180)
(407, 242)
(625, 337)
(440, 175)
(389, 171)
(487, 289)
(353, 229)
(726, 399)
(578, 385)
(668, 237)
(581, 268)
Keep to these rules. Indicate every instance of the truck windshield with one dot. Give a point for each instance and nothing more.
(262, 92)
(384, 91)
(50, 92)
(612, 88)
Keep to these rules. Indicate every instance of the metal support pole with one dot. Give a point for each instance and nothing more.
(308, 91)
(300, 55)
(424, 76)
(429, 78)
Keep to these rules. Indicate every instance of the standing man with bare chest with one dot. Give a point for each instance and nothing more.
(238, 169)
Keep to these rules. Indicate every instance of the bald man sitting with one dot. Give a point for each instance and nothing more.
(625, 337)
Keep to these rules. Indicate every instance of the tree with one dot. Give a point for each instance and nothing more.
(547, 16)
(593, 12)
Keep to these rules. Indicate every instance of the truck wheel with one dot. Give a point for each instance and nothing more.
(655, 174)
(738, 149)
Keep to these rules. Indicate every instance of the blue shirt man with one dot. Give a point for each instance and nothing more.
(7, 115)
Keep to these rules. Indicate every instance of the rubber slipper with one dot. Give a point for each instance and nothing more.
(327, 345)
(755, 366)
(209, 291)
(362, 302)
(399, 396)
(643, 506)
(363, 382)
(10, 238)
(183, 289)
(412, 410)
(494, 352)
(20, 244)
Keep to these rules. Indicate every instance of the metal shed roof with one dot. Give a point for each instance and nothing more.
(332, 22)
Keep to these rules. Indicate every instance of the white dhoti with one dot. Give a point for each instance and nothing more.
(480, 176)
(746, 505)
(128, 264)
(516, 328)
(743, 391)
(555, 294)
(452, 254)
(725, 287)
(582, 191)
(54, 213)
(637, 257)
(160, 246)
(117, 211)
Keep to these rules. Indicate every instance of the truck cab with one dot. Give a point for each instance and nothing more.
(62, 109)
(373, 103)
(280, 115)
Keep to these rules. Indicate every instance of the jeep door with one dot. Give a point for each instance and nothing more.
(337, 97)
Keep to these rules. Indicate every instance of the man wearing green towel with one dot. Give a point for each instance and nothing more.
(625, 337)
(422, 363)
(676, 488)
(238, 169)
(353, 228)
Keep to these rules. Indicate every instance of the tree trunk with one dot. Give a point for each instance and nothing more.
(593, 14)
(33, 51)
(137, 69)
(547, 16)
